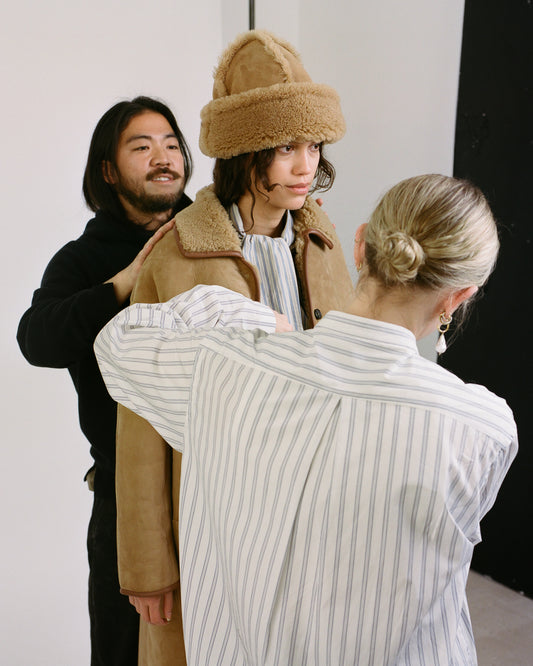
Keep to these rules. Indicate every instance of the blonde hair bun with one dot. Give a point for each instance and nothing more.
(433, 231)
(399, 257)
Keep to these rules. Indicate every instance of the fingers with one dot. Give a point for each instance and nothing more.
(137, 602)
(168, 226)
(320, 202)
(161, 232)
(149, 608)
(124, 280)
(282, 323)
(153, 240)
(168, 603)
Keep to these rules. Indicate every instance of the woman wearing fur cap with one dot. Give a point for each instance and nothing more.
(256, 231)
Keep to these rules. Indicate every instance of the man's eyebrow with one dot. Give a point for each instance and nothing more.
(148, 137)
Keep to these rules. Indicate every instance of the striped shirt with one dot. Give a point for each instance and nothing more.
(272, 257)
(333, 481)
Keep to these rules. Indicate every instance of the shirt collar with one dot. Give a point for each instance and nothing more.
(378, 335)
(287, 234)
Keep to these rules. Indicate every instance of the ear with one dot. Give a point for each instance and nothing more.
(359, 245)
(457, 297)
(108, 171)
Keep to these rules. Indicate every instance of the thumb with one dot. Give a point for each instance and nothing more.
(168, 604)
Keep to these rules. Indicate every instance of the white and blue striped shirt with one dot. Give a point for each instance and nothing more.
(333, 481)
(273, 260)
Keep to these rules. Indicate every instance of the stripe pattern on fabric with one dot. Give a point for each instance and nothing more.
(333, 482)
(273, 259)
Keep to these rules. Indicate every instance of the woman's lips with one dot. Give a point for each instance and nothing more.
(299, 188)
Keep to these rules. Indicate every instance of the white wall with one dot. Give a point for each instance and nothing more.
(63, 64)
(395, 66)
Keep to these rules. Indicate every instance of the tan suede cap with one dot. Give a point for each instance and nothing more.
(263, 98)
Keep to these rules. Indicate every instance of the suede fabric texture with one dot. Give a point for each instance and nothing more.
(203, 249)
(263, 98)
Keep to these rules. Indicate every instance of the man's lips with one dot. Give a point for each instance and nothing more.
(163, 176)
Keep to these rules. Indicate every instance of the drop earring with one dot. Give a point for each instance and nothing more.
(445, 321)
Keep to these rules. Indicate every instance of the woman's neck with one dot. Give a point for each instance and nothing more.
(265, 222)
(414, 308)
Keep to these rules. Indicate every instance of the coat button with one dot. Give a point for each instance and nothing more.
(318, 314)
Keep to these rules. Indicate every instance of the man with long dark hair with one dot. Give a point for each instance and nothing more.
(137, 168)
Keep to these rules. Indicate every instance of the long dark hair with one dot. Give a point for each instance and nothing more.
(233, 177)
(100, 195)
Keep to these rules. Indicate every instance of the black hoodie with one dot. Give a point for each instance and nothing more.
(66, 314)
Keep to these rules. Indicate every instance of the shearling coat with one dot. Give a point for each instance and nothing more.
(204, 248)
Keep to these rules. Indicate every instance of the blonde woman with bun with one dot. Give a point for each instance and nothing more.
(431, 243)
(333, 480)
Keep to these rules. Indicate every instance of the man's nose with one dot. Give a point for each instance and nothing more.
(160, 156)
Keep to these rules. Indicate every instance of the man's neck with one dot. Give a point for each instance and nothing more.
(148, 221)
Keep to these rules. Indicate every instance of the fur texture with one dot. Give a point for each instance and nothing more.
(263, 98)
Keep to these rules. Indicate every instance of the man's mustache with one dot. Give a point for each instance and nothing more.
(161, 171)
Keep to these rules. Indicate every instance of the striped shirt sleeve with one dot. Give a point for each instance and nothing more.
(147, 352)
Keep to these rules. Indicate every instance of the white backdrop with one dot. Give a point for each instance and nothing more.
(62, 65)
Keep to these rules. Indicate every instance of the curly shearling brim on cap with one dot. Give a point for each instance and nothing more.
(264, 98)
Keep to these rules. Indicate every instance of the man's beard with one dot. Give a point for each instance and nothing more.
(150, 203)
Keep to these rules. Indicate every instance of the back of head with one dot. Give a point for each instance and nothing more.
(431, 231)
(99, 194)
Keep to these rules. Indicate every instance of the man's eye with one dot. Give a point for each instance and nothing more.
(173, 147)
(141, 148)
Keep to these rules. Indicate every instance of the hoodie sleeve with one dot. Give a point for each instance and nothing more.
(66, 313)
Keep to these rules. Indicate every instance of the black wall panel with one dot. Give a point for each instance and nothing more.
(494, 149)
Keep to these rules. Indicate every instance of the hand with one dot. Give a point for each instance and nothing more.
(282, 323)
(320, 202)
(124, 281)
(156, 609)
